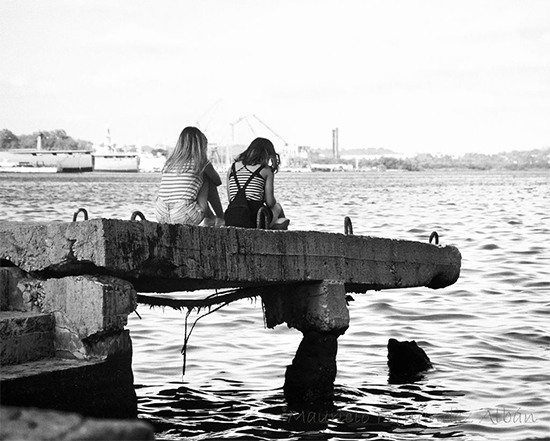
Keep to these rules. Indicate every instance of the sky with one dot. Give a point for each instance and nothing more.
(412, 76)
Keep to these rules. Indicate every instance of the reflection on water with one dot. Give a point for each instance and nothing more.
(487, 335)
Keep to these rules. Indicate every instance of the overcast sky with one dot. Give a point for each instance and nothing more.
(411, 76)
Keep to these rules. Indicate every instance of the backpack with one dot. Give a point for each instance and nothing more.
(238, 213)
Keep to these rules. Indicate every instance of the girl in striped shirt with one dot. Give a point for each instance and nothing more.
(188, 183)
(259, 157)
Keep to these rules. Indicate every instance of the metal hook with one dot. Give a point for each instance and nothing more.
(136, 214)
(77, 212)
(348, 226)
(262, 218)
(435, 236)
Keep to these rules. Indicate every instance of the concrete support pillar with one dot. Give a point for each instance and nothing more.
(309, 380)
(320, 312)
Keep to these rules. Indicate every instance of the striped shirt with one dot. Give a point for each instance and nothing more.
(255, 191)
(174, 187)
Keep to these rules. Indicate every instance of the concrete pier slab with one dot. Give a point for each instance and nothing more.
(163, 257)
(314, 306)
(86, 274)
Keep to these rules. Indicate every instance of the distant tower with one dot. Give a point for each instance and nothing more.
(335, 148)
(108, 137)
(39, 141)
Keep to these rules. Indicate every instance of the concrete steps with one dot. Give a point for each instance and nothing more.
(97, 388)
(34, 381)
(24, 337)
(63, 344)
(45, 366)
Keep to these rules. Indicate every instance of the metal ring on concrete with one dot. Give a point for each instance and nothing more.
(136, 214)
(262, 218)
(348, 226)
(435, 236)
(77, 212)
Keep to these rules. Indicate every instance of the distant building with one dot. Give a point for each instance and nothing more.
(335, 146)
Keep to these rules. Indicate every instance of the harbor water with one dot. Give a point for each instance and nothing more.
(488, 335)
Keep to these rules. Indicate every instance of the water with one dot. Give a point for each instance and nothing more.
(487, 335)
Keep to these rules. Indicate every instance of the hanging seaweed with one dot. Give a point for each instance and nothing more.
(225, 297)
(213, 302)
(187, 335)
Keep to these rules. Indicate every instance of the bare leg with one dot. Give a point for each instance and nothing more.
(209, 193)
(214, 198)
(279, 218)
(202, 198)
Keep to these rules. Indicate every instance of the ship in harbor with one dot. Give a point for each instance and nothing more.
(108, 158)
(115, 162)
(24, 167)
(66, 161)
(39, 160)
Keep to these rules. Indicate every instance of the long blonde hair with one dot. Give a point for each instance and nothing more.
(189, 153)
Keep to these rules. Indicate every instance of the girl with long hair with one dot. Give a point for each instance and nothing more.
(188, 183)
(257, 165)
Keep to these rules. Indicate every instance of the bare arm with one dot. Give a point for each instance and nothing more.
(211, 173)
(269, 186)
(227, 181)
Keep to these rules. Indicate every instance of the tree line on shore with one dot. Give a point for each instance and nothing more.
(51, 140)
(514, 160)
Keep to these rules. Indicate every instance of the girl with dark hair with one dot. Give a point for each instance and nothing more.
(255, 168)
(189, 183)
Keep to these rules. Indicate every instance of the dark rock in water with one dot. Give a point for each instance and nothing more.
(406, 361)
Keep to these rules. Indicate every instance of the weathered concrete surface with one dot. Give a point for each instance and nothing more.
(318, 307)
(162, 257)
(19, 424)
(77, 317)
(91, 303)
(25, 336)
(88, 315)
(10, 296)
(90, 312)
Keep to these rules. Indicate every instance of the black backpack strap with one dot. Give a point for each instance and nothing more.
(234, 174)
(252, 176)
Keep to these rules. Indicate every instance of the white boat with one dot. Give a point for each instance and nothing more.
(8, 167)
(331, 167)
(115, 162)
(60, 160)
(151, 163)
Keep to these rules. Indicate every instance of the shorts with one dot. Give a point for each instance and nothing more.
(181, 212)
